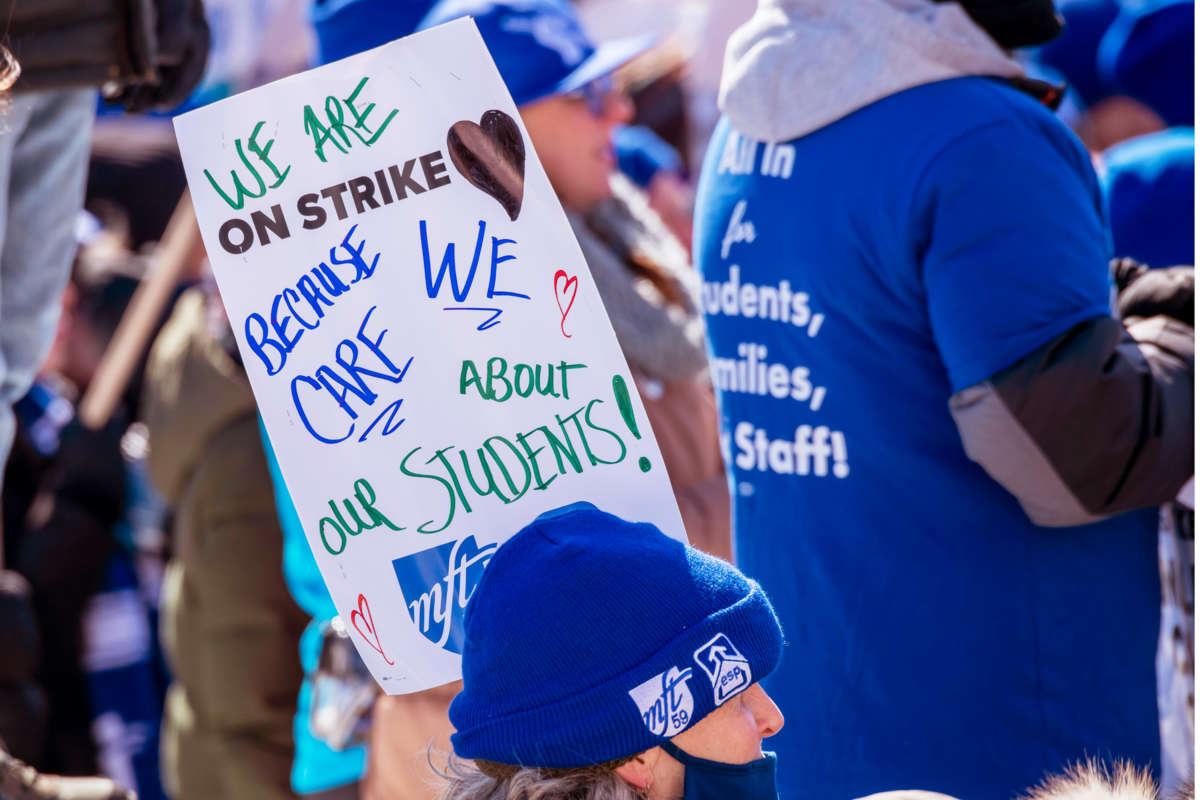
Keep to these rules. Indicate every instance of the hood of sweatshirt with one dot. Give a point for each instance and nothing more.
(798, 65)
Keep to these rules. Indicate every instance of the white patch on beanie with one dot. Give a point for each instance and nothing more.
(665, 701)
(727, 669)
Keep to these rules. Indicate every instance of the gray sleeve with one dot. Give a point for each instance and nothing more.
(1096, 422)
(665, 342)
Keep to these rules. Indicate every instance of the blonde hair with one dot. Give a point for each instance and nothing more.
(1096, 780)
(465, 781)
(10, 69)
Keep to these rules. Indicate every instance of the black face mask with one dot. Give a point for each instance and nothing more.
(1014, 23)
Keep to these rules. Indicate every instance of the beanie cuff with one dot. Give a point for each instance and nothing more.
(687, 679)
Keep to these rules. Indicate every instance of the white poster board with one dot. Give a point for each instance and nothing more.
(429, 353)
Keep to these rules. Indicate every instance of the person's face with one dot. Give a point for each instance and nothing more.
(732, 734)
(572, 135)
(77, 347)
(1115, 119)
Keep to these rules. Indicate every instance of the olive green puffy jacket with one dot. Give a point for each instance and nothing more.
(229, 626)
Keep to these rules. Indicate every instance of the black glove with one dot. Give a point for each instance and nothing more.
(183, 43)
(1125, 271)
(1144, 292)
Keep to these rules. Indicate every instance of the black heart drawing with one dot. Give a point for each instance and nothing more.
(491, 156)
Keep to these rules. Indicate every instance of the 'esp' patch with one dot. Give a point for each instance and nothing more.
(726, 668)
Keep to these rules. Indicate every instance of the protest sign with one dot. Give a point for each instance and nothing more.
(430, 356)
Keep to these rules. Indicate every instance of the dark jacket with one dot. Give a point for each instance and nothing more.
(143, 53)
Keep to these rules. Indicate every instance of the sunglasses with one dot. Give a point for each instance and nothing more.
(595, 93)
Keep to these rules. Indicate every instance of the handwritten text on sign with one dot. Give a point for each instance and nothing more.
(430, 356)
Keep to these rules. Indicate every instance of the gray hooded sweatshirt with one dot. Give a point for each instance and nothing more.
(798, 65)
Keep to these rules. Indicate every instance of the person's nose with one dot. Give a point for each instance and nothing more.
(767, 715)
(618, 108)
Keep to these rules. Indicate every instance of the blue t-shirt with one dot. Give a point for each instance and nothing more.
(854, 279)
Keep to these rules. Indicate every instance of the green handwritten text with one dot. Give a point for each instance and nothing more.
(335, 529)
(263, 155)
(524, 381)
(336, 130)
(507, 467)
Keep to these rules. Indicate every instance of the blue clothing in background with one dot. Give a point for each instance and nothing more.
(853, 280)
(1148, 53)
(125, 680)
(121, 656)
(127, 673)
(316, 766)
(1072, 54)
(642, 154)
(346, 27)
(1149, 184)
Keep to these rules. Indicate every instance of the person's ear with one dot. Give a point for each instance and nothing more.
(637, 772)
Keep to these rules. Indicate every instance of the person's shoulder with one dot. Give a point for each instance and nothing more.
(971, 119)
(956, 107)
(985, 123)
(973, 96)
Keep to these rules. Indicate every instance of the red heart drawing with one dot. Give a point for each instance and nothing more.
(370, 635)
(570, 284)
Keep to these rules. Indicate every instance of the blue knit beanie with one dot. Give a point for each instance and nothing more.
(590, 639)
(1073, 53)
(1149, 185)
(1148, 54)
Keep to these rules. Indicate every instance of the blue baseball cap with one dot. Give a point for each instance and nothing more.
(346, 27)
(539, 46)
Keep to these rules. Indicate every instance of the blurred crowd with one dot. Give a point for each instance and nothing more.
(999, 274)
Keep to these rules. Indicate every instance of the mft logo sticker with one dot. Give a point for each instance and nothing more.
(726, 668)
(437, 583)
(665, 701)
